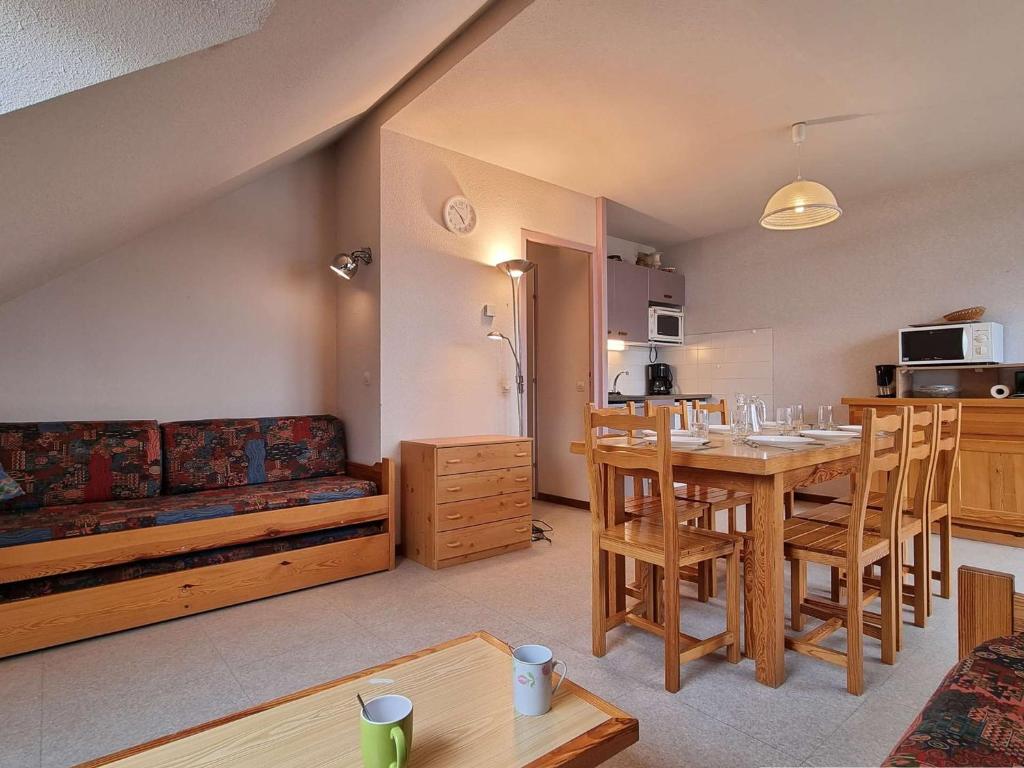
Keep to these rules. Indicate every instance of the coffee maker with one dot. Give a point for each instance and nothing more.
(885, 378)
(659, 379)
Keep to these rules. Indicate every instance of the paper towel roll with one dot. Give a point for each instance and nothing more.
(1000, 391)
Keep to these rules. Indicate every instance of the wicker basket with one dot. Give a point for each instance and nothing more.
(970, 314)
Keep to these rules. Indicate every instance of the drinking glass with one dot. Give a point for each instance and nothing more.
(740, 425)
(699, 423)
(798, 415)
(784, 419)
(825, 417)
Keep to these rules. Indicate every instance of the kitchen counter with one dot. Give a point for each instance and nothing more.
(990, 506)
(619, 399)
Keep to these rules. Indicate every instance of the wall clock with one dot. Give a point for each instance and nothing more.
(459, 215)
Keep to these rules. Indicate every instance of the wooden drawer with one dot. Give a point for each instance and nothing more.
(476, 485)
(480, 538)
(460, 514)
(473, 458)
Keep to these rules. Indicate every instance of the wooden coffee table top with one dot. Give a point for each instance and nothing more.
(462, 695)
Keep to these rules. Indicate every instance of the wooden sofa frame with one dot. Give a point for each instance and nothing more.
(987, 607)
(41, 622)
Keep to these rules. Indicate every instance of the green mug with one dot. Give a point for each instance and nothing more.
(385, 732)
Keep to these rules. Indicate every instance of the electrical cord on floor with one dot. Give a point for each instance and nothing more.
(541, 531)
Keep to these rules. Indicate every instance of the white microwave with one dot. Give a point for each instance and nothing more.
(952, 343)
(665, 325)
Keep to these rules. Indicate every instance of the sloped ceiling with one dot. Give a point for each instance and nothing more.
(50, 47)
(680, 109)
(89, 170)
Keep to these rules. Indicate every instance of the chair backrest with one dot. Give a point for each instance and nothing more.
(634, 455)
(922, 454)
(948, 454)
(891, 461)
(709, 408)
(679, 409)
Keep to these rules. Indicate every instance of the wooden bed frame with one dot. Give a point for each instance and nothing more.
(987, 607)
(41, 622)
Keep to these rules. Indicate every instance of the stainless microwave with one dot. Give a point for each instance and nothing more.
(952, 343)
(665, 324)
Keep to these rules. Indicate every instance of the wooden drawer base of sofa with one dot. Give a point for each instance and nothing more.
(28, 625)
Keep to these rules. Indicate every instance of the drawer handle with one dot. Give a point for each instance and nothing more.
(522, 504)
(455, 516)
(453, 461)
(522, 530)
(521, 454)
(454, 489)
(453, 544)
(520, 479)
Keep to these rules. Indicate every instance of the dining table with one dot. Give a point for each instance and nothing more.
(767, 473)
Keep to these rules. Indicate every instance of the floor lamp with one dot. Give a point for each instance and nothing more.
(515, 269)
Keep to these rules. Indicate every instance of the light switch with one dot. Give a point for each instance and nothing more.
(581, 387)
(488, 310)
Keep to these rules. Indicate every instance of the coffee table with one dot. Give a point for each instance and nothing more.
(463, 716)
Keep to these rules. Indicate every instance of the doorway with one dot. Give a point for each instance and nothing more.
(558, 313)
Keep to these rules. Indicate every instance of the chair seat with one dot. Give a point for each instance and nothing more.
(826, 542)
(644, 506)
(718, 498)
(838, 514)
(643, 538)
(876, 499)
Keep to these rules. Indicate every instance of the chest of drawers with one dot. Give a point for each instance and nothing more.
(465, 498)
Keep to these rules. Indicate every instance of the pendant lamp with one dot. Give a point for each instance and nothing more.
(801, 204)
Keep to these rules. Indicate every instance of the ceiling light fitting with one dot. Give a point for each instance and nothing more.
(802, 203)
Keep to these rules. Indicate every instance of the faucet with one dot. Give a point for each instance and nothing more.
(615, 382)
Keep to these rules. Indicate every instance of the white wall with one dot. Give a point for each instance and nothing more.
(836, 295)
(439, 374)
(226, 311)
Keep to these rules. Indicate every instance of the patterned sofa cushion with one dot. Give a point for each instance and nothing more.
(976, 717)
(67, 582)
(70, 462)
(48, 523)
(9, 487)
(221, 453)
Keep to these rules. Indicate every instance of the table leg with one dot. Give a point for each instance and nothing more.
(617, 564)
(767, 584)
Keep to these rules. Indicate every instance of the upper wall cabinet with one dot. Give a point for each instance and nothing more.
(665, 287)
(627, 301)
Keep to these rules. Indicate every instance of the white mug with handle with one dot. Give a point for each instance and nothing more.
(532, 666)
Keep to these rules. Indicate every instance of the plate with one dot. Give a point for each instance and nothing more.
(829, 434)
(855, 428)
(675, 433)
(720, 429)
(780, 440)
(686, 440)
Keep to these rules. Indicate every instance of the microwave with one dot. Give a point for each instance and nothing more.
(952, 343)
(665, 325)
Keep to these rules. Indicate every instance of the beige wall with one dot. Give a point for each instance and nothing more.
(835, 296)
(226, 311)
(439, 374)
(560, 364)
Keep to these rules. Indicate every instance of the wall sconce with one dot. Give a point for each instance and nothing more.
(347, 264)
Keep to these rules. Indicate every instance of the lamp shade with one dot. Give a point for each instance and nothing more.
(801, 204)
(515, 268)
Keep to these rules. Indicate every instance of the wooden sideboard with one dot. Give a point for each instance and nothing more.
(465, 498)
(991, 464)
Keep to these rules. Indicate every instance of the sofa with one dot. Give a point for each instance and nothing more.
(976, 716)
(125, 523)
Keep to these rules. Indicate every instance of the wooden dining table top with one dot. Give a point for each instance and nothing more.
(725, 455)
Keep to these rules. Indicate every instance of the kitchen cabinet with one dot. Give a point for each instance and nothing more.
(627, 301)
(665, 287)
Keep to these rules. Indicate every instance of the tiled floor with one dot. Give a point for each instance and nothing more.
(81, 701)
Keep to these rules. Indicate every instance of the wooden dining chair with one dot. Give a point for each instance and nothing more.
(661, 541)
(945, 500)
(911, 527)
(713, 499)
(852, 548)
